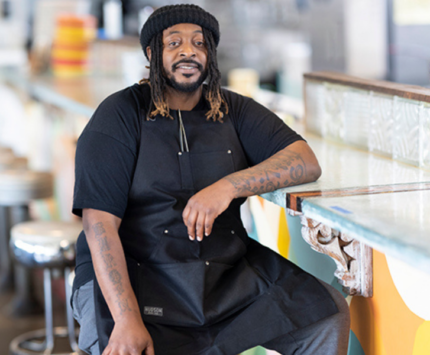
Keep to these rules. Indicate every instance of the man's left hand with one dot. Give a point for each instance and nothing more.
(206, 205)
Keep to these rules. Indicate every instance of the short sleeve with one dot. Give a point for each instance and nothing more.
(261, 132)
(103, 171)
(106, 154)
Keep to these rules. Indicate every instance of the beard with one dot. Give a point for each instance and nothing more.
(186, 87)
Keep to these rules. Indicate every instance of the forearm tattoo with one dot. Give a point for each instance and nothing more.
(110, 267)
(284, 169)
(108, 260)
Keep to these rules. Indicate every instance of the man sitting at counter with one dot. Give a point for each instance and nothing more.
(164, 264)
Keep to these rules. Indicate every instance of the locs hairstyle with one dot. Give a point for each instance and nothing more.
(157, 80)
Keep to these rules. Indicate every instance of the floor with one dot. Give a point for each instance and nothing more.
(10, 327)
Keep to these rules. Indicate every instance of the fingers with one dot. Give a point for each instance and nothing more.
(186, 213)
(209, 221)
(190, 218)
(199, 222)
(200, 226)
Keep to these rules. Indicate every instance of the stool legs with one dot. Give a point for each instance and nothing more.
(24, 302)
(6, 274)
(50, 331)
(29, 343)
(49, 318)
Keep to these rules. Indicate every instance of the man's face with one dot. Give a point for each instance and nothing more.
(184, 57)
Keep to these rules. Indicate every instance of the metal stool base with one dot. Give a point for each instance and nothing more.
(33, 343)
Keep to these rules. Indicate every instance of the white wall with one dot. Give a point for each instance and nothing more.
(366, 38)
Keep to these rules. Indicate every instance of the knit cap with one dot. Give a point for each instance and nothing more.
(167, 16)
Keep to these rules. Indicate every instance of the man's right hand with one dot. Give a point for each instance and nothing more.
(129, 338)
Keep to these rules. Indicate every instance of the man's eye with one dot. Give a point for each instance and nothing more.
(173, 44)
(200, 43)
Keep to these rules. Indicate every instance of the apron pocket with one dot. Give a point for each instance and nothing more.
(224, 246)
(185, 168)
(173, 246)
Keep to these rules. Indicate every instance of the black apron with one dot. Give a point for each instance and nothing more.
(225, 294)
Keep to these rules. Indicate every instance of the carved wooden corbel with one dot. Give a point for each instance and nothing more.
(353, 258)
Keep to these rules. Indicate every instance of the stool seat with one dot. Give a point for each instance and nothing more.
(19, 187)
(45, 243)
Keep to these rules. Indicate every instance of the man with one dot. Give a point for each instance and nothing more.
(164, 263)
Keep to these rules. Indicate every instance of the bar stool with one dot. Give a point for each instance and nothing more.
(17, 189)
(47, 245)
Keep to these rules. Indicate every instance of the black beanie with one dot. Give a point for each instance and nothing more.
(168, 16)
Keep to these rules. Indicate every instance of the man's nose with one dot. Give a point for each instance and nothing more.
(187, 50)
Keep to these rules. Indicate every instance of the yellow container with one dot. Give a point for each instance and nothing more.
(70, 51)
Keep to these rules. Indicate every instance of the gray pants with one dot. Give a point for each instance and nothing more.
(326, 337)
(84, 313)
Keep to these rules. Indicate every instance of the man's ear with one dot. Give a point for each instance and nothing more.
(148, 52)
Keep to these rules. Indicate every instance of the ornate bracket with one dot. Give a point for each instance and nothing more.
(354, 259)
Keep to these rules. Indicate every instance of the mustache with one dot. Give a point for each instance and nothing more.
(187, 61)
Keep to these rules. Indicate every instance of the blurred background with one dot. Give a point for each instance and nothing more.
(60, 58)
(381, 39)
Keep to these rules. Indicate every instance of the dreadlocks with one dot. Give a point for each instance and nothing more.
(157, 80)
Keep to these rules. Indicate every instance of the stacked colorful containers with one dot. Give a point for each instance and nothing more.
(71, 47)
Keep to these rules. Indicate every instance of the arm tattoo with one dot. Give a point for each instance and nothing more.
(269, 177)
(123, 306)
(108, 260)
(115, 277)
(104, 245)
(109, 263)
(297, 173)
(120, 289)
(98, 229)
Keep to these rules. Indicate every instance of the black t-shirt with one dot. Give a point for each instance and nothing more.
(108, 147)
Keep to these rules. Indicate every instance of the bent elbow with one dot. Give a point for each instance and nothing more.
(314, 171)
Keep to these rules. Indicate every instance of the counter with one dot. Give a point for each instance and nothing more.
(79, 95)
